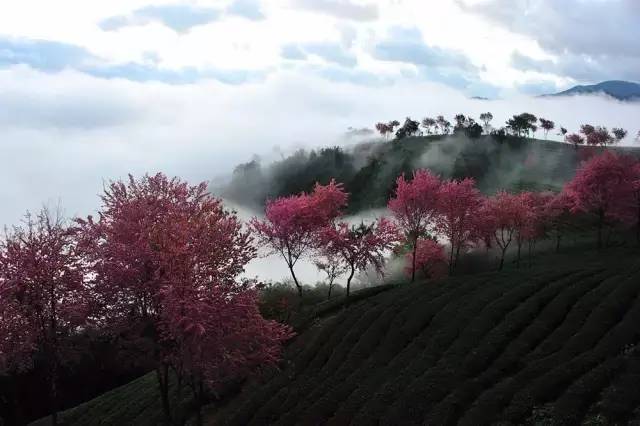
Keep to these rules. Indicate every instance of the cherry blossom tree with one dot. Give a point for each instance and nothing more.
(44, 297)
(431, 259)
(358, 247)
(166, 258)
(530, 221)
(458, 203)
(291, 225)
(415, 208)
(600, 186)
(500, 217)
(557, 215)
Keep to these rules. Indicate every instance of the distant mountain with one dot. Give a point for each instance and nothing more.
(621, 90)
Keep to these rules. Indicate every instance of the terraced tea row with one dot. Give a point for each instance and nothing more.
(471, 350)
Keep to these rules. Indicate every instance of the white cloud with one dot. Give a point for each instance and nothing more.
(65, 133)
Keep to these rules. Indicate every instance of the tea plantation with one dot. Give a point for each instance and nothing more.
(548, 344)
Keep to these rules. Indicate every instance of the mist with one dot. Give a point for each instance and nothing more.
(65, 134)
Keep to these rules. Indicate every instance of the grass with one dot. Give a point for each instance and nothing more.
(546, 345)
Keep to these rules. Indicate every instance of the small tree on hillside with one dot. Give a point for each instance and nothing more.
(473, 130)
(331, 265)
(486, 118)
(522, 124)
(292, 224)
(384, 129)
(44, 297)
(358, 247)
(563, 132)
(575, 139)
(408, 129)
(461, 121)
(587, 129)
(546, 125)
(619, 133)
(600, 136)
(430, 125)
(443, 125)
(415, 207)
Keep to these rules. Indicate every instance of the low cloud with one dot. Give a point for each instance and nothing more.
(65, 133)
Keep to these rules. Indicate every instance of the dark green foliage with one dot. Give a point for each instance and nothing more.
(408, 129)
(473, 350)
(474, 131)
(369, 170)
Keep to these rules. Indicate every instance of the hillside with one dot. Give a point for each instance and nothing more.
(369, 170)
(621, 90)
(555, 343)
(542, 344)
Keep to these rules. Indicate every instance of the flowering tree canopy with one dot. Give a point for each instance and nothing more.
(458, 204)
(501, 217)
(415, 207)
(44, 297)
(358, 247)
(601, 186)
(431, 259)
(292, 224)
(166, 258)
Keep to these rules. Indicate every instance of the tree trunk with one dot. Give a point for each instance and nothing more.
(558, 238)
(162, 373)
(353, 271)
(519, 254)
(413, 260)
(295, 280)
(504, 250)
(451, 264)
(330, 288)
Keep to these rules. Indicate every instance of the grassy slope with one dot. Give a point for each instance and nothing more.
(536, 344)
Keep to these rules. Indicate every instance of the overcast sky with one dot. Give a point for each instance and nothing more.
(92, 90)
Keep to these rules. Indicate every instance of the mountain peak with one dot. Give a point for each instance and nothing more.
(618, 89)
